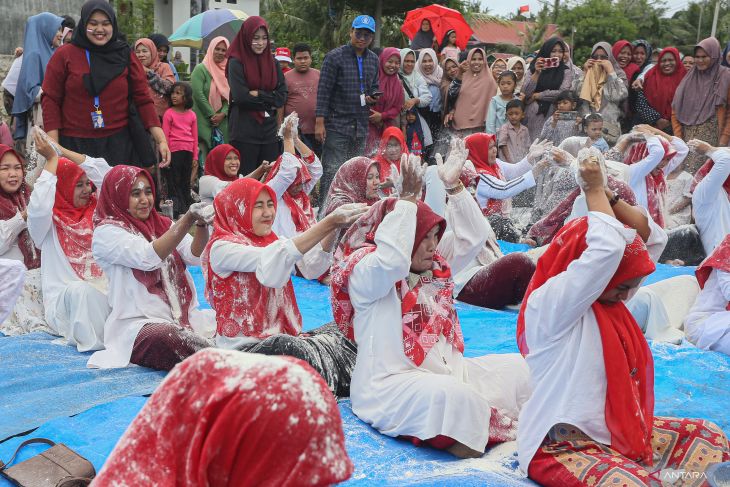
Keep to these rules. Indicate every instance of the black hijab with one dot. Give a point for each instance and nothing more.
(549, 79)
(107, 61)
(160, 40)
(422, 40)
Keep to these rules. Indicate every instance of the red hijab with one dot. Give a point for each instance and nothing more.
(659, 88)
(391, 101)
(74, 226)
(427, 308)
(719, 259)
(243, 305)
(300, 206)
(259, 70)
(212, 422)
(629, 366)
(11, 204)
(383, 163)
(169, 282)
(478, 146)
(631, 68)
(656, 184)
(216, 160)
(350, 184)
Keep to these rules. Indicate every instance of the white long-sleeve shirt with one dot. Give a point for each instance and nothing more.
(119, 252)
(56, 271)
(283, 224)
(517, 178)
(272, 264)
(447, 394)
(210, 186)
(708, 322)
(9, 231)
(566, 353)
(711, 204)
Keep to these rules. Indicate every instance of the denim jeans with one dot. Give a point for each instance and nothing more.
(338, 147)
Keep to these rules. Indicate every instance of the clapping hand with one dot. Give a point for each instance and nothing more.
(450, 171)
(202, 212)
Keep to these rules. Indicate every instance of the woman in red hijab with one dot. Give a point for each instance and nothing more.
(708, 322)
(292, 177)
(711, 195)
(16, 244)
(590, 365)
(59, 221)
(499, 181)
(248, 281)
(145, 255)
(392, 292)
(211, 422)
(623, 52)
(257, 91)
(387, 108)
(392, 147)
(356, 181)
(221, 168)
(654, 103)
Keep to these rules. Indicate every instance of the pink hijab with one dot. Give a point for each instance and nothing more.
(219, 88)
(477, 91)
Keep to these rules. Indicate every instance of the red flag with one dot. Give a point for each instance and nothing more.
(524, 8)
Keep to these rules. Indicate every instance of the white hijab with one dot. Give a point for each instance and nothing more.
(435, 77)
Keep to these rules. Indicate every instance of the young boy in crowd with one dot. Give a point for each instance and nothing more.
(593, 128)
(513, 138)
(496, 116)
(565, 121)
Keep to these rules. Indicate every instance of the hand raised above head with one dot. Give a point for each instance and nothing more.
(412, 174)
(450, 171)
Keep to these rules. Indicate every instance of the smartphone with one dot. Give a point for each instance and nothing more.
(376, 94)
(567, 116)
(551, 62)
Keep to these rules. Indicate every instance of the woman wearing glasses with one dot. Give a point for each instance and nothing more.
(603, 87)
(257, 91)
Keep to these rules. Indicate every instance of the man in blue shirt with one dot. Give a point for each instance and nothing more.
(348, 84)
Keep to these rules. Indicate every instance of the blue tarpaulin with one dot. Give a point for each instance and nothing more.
(689, 383)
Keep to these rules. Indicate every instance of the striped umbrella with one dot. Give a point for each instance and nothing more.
(197, 31)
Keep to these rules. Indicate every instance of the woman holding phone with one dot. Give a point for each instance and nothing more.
(547, 77)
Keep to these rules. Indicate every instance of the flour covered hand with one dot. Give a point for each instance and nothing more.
(202, 212)
(450, 171)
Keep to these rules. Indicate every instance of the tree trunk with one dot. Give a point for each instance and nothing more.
(378, 22)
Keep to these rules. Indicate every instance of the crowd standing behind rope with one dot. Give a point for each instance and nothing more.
(416, 162)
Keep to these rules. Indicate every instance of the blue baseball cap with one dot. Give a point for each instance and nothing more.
(364, 22)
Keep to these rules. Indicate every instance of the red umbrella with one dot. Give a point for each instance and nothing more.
(443, 19)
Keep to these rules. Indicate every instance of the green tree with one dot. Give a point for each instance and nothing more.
(595, 20)
(136, 18)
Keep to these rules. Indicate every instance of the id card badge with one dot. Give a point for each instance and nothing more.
(362, 100)
(97, 119)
